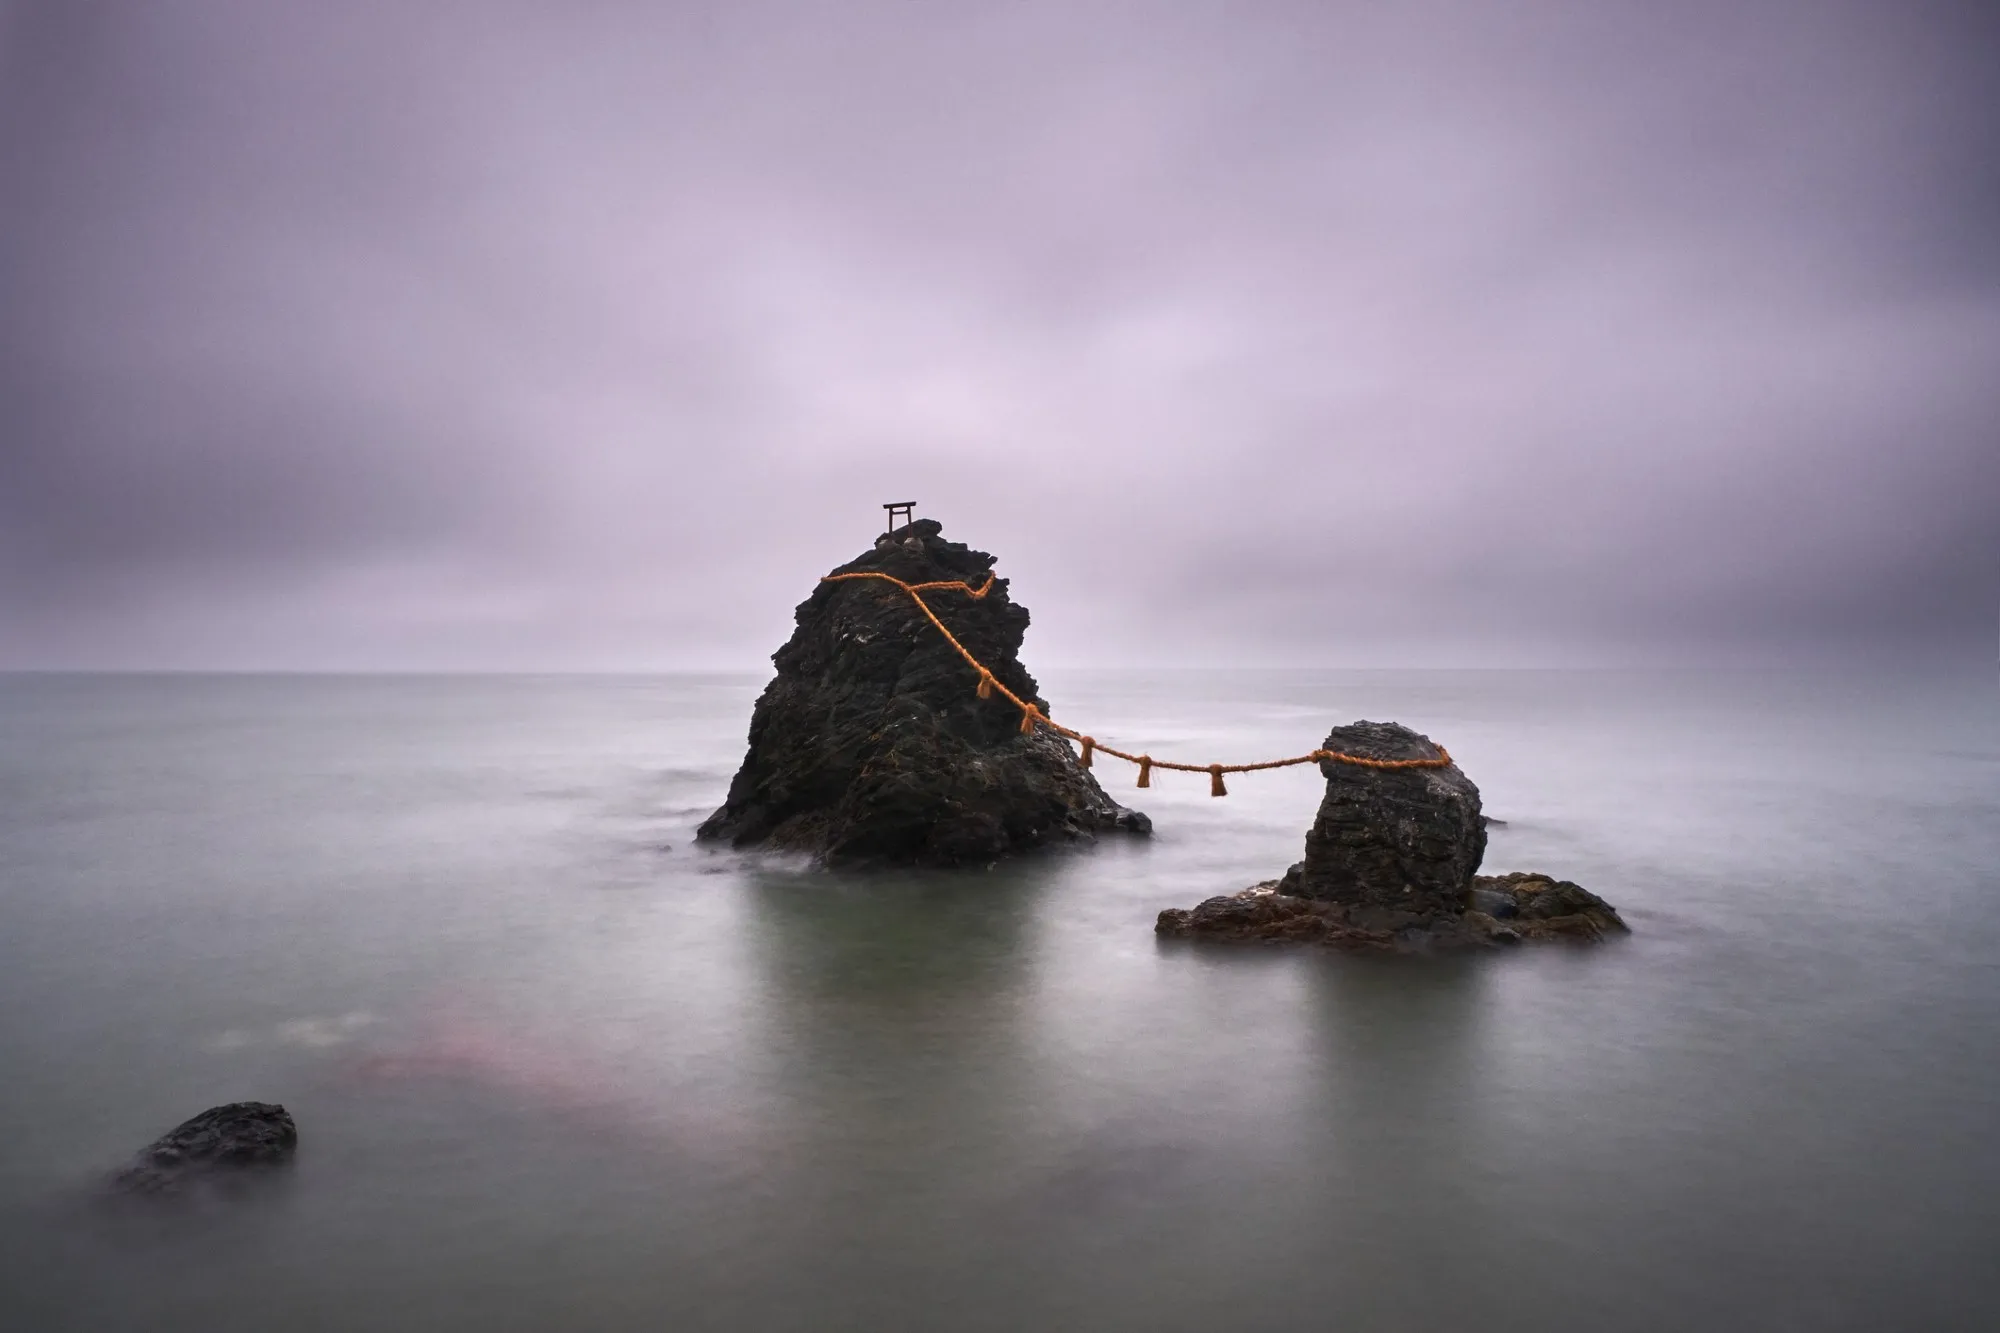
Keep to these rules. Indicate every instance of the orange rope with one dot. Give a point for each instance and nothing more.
(1031, 715)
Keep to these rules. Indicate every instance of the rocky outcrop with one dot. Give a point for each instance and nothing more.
(1390, 866)
(1399, 839)
(222, 1138)
(871, 745)
(1536, 907)
(1262, 913)
(1497, 910)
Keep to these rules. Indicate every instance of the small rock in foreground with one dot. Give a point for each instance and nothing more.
(241, 1134)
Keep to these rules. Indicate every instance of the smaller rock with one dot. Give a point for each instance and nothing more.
(241, 1134)
(1132, 821)
(1494, 903)
(1403, 839)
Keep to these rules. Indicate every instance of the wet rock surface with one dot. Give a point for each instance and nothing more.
(1498, 910)
(1542, 907)
(1390, 866)
(1407, 839)
(871, 745)
(1262, 913)
(221, 1139)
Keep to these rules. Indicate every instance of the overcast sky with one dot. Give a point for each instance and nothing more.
(578, 334)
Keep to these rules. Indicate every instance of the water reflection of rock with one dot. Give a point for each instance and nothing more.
(895, 1045)
(971, 1090)
(895, 943)
(1396, 1163)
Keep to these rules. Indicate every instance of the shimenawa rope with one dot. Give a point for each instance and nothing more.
(1032, 716)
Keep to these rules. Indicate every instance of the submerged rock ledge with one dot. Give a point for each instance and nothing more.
(1498, 910)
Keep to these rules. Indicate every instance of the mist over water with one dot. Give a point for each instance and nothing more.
(555, 1066)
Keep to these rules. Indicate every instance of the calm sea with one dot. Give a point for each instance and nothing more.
(557, 1067)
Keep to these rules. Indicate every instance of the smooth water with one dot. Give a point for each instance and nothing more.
(556, 1067)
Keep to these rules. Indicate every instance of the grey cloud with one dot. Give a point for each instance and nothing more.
(487, 334)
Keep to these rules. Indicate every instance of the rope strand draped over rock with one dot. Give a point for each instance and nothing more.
(1031, 715)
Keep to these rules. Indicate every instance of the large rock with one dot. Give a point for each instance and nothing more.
(241, 1134)
(871, 745)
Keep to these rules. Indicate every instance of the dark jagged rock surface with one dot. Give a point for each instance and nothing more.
(1390, 865)
(1498, 909)
(1539, 907)
(1404, 839)
(871, 745)
(241, 1134)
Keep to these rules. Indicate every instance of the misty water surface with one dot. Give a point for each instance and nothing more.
(555, 1066)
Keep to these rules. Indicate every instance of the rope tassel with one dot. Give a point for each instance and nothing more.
(986, 684)
(1028, 720)
(1145, 770)
(1215, 787)
(1089, 744)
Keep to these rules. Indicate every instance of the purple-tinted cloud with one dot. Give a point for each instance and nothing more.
(587, 335)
